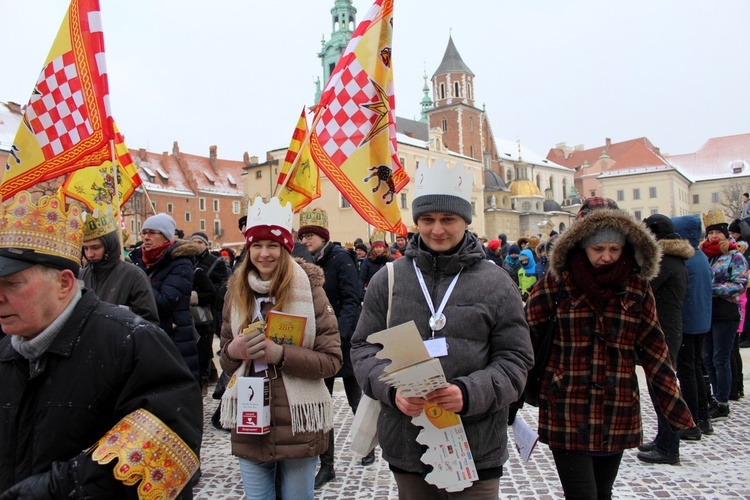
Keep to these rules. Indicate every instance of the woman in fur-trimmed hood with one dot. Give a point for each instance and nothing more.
(589, 407)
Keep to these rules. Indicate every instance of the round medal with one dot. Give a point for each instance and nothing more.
(437, 322)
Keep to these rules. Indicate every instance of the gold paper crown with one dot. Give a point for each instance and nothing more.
(146, 450)
(44, 227)
(378, 235)
(714, 217)
(314, 217)
(98, 224)
(349, 245)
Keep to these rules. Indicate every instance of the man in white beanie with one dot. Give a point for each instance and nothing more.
(472, 310)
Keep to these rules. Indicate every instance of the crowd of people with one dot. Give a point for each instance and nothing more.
(135, 330)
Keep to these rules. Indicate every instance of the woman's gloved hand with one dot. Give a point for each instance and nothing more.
(249, 344)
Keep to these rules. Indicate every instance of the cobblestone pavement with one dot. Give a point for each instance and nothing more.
(716, 467)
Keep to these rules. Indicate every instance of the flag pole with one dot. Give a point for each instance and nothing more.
(295, 163)
(118, 208)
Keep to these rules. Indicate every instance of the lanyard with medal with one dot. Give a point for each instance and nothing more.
(437, 347)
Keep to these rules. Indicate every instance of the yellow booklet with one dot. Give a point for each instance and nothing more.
(284, 328)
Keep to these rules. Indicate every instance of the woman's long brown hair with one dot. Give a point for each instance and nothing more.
(243, 297)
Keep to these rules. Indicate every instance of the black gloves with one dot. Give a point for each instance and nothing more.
(50, 484)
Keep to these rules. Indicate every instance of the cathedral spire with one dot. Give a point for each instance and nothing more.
(343, 22)
(426, 101)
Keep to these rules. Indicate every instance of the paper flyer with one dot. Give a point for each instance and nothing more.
(416, 374)
(525, 437)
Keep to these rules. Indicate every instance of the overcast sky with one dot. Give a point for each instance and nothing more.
(236, 73)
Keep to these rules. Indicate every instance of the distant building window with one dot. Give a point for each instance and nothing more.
(456, 89)
(132, 226)
(473, 208)
(637, 215)
(526, 206)
(170, 208)
(217, 228)
(471, 148)
(652, 192)
(216, 205)
(696, 199)
(258, 174)
(345, 203)
(593, 192)
(471, 124)
(637, 195)
(153, 207)
(714, 197)
(620, 195)
(202, 224)
(235, 207)
(444, 124)
(469, 91)
(187, 216)
(442, 91)
(202, 204)
(654, 211)
(403, 201)
(402, 161)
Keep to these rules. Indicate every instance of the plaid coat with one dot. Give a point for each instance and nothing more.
(589, 398)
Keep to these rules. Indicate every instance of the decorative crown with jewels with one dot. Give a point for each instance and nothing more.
(314, 217)
(99, 223)
(271, 213)
(714, 217)
(441, 179)
(378, 235)
(44, 227)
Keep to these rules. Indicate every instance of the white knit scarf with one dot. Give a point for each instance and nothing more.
(310, 404)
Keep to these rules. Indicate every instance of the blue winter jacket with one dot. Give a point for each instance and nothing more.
(696, 309)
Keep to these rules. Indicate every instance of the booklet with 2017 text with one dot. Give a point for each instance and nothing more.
(284, 328)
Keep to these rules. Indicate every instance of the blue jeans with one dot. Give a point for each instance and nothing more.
(717, 350)
(297, 478)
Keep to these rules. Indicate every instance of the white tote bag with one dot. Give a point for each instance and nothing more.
(365, 425)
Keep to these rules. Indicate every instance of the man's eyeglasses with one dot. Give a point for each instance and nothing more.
(149, 232)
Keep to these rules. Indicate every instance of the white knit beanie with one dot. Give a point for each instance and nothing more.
(162, 223)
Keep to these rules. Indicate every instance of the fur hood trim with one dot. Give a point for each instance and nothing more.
(647, 251)
(677, 248)
(314, 273)
(185, 248)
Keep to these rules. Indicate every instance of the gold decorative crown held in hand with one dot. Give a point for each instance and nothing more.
(714, 217)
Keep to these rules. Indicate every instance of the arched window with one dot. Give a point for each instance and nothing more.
(469, 91)
(442, 91)
(510, 174)
(456, 89)
(444, 123)
(471, 124)
(472, 151)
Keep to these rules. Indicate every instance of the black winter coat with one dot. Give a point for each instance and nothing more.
(172, 281)
(669, 287)
(342, 289)
(370, 266)
(105, 363)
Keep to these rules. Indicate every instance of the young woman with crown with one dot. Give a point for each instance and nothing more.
(301, 408)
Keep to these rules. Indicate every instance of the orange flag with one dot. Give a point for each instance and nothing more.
(354, 133)
(95, 186)
(66, 124)
(299, 181)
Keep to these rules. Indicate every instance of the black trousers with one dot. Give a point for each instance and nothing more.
(586, 476)
(353, 395)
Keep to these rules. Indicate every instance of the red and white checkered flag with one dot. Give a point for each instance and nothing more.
(67, 123)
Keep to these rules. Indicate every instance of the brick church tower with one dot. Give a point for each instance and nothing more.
(465, 127)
